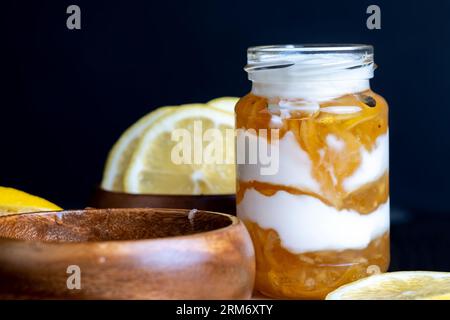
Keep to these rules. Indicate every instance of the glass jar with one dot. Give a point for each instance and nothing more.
(314, 193)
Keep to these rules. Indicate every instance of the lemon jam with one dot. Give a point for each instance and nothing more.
(322, 219)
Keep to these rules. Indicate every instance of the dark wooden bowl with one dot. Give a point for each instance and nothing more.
(217, 203)
(125, 254)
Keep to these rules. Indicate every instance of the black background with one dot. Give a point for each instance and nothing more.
(69, 94)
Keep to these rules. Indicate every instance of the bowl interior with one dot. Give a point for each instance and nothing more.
(110, 224)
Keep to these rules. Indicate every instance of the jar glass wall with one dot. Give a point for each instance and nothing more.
(317, 203)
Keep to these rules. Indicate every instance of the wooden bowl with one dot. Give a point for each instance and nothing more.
(218, 203)
(125, 254)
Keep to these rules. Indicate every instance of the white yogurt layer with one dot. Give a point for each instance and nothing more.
(310, 91)
(317, 77)
(293, 167)
(306, 224)
(374, 165)
(294, 164)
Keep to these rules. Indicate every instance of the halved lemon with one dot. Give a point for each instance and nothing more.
(189, 151)
(225, 103)
(14, 201)
(404, 285)
(120, 155)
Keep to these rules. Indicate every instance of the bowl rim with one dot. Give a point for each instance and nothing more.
(235, 223)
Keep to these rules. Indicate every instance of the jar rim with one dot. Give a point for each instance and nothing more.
(318, 61)
(311, 48)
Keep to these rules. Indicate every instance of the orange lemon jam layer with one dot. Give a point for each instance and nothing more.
(311, 275)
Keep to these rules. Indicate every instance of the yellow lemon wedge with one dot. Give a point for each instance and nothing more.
(14, 201)
(225, 103)
(120, 155)
(189, 151)
(404, 285)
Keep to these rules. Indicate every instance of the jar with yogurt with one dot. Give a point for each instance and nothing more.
(320, 219)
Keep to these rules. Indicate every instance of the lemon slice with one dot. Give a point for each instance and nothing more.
(13, 201)
(405, 285)
(120, 155)
(225, 103)
(173, 157)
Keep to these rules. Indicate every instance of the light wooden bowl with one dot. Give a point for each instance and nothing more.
(126, 254)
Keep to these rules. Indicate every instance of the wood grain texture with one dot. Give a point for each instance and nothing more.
(126, 254)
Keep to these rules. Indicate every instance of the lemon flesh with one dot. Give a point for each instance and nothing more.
(14, 201)
(154, 170)
(226, 104)
(120, 155)
(405, 285)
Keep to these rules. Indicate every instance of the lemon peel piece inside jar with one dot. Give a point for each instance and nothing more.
(322, 218)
